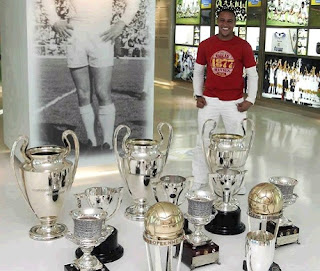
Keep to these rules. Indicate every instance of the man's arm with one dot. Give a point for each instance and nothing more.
(198, 80)
(252, 85)
(115, 30)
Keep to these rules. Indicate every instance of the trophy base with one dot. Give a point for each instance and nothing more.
(286, 234)
(108, 251)
(273, 267)
(226, 223)
(199, 256)
(41, 233)
(72, 267)
(135, 213)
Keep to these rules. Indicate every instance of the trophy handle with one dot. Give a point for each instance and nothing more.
(19, 177)
(203, 139)
(159, 128)
(243, 172)
(66, 142)
(253, 132)
(79, 198)
(189, 183)
(120, 191)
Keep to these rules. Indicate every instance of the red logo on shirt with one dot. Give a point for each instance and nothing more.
(222, 63)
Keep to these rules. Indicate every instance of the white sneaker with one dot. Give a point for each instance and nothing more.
(242, 191)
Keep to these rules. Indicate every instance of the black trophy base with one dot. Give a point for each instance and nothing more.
(108, 251)
(286, 234)
(273, 267)
(226, 223)
(194, 257)
(71, 267)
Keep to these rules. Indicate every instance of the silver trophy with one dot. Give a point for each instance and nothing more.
(88, 234)
(226, 150)
(259, 250)
(44, 178)
(288, 232)
(199, 214)
(172, 188)
(140, 165)
(106, 198)
(226, 183)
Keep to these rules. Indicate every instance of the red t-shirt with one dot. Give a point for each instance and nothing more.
(225, 61)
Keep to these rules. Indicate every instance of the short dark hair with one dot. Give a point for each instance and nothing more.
(225, 10)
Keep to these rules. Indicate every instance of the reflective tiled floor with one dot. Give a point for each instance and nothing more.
(285, 144)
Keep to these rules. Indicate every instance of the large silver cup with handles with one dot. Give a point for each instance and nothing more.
(44, 178)
(226, 150)
(140, 164)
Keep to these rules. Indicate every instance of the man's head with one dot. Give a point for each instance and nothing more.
(226, 23)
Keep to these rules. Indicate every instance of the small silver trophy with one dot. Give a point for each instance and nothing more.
(87, 234)
(199, 249)
(140, 164)
(172, 188)
(288, 232)
(45, 178)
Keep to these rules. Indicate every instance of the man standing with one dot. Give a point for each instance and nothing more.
(90, 53)
(225, 56)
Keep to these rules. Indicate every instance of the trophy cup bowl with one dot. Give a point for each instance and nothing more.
(199, 214)
(172, 188)
(88, 234)
(140, 166)
(45, 178)
(260, 247)
(109, 199)
(226, 150)
(226, 183)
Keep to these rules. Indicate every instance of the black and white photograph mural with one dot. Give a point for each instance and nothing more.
(95, 66)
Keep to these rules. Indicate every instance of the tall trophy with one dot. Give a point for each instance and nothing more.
(163, 225)
(108, 199)
(140, 164)
(226, 155)
(87, 234)
(288, 233)
(44, 178)
(265, 204)
(199, 249)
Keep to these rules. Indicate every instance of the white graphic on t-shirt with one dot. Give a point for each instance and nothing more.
(222, 63)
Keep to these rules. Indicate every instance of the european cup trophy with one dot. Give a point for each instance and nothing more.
(87, 234)
(265, 204)
(109, 199)
(163, 225)
(199, 249)
(45, 178)
(226, 154)
(140, 164)
(288, 233)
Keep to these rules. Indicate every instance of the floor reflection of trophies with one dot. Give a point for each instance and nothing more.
(199, 249)
(109, 199)
(44, 179)
(288, 233)
(265, 204)
(226, 154)
(163, 229)
(140, 165)
(87, 234)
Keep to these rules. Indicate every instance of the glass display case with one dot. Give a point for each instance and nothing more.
(284, 36)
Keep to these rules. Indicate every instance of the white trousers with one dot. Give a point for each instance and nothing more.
(231, 119)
